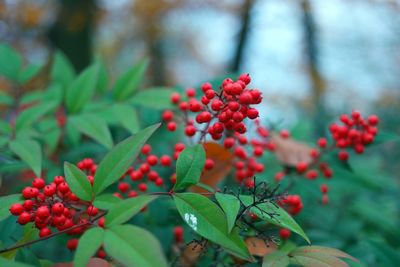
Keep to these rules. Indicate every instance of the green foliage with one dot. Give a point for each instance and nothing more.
(88, 244)
(126, 209)
(30, 152)
(78, 182)
(10, 62)
(155, 98)
(6, 202)
(125, 244)
(117, 161)
(209, 221)
(189, 167)
(230, 205)
(279, 216)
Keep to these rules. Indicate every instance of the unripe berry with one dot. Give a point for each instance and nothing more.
(16, 209)
(38, 183)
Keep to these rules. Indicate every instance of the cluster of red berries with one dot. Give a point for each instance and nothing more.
(355, 132)
(88, 166)
(52, 206)
(219, 111)
(291, 203)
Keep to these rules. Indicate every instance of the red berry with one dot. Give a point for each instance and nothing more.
(44, 232)
(190, 130)
(49, 190)
(72, 244)
(312, 174)
(27, 192)
(245, 77)
(159, 181)
(165, 160)
(209, 164)
(216, 105)
(171, 126)
(252, 113)
(144, 168)
(194, 105)
(146, 149)
(101, 254)
(136, 175)
(210, 94)
(229, 142)
(152, 160)
(63, 187)
(167, 115)
(373, 120)
(43, 212)
(152, 176)
(132, 193)
(284, 233)
(324, 188)
(258, 151)
(24, 218)
(301, 167)
(38, 183)
(178, 234)
(279, 176)
(92, 211)
(58, 180)
(175, 97)
(322, 142)
(343, 155)
(190, 92)
(123, 187)
(284, 134)
(142, 187)
(245, 98)
(101, 222)
(57, 208)
(16, 209)
(206, 86)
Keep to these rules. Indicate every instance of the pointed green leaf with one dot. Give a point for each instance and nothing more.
(325, 250)
(106, 201)
(5, 99)
(189, 166)
(78, 182)
(280, 218)
(9, 263)
(208, 220)
(10, 62)
(133, 246)
(230, 205)
(94, 127)
(88, 244)
(305, 261)
(127, 84)
(325, 258)
(82, 89)
(127, 116)
(30, 152)
(30, 115)
(126, 209)
(62, 70)
(276, 259)
(155, 98)
(118, 160)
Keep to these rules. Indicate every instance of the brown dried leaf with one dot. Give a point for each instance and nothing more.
(291, 152)
(223, 164)
(258, 247)
(192, 253)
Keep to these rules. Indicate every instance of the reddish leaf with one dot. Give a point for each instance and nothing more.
(291, 152)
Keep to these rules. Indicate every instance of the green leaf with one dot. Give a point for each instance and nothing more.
(30, 115)
(6, 203)
(384, 137)
(127, 84)
(106, 201)
(325, 258)
(29, 233)
(30, 152)
(189, 166)
(127, 116)
(155, 98)
(126, 209)
(78, 182)
(4, 262)
(5, 127)
(102, 79)
(280, 218)
(94, 127)
(28, 73)
(208, 220)
(325, 250)
(133, 246)
(230, 205)
(5, 99)
(276, 259)
(305, 261)
(10, 62)
(88, 244)
(62, 70)
(82, 89)
(118, 160)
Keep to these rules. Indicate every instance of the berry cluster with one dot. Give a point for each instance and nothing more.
(355, 132)
(291, 203)
(52, 206)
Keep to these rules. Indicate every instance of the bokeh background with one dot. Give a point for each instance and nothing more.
(313, 59)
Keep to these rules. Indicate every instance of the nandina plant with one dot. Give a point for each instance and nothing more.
(213, 179)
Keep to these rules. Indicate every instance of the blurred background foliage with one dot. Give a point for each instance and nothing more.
(312, 60)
